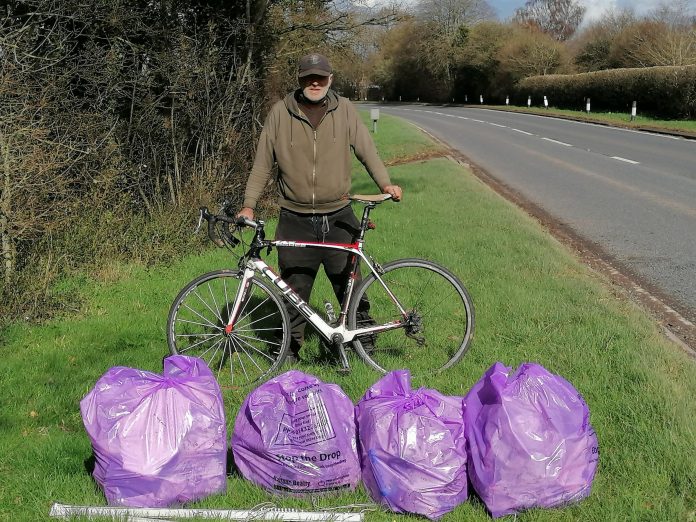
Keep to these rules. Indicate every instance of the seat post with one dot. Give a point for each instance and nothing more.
(365, 220)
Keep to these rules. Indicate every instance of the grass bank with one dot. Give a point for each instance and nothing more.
(534, 302)
(611, 118)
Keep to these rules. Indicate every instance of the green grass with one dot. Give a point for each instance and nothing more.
(613, 118)
(534, 302)
(397, 140)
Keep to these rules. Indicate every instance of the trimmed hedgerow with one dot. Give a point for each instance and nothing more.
(668, 92)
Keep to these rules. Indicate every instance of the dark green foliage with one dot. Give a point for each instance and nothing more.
(668, 92)
(117, 119)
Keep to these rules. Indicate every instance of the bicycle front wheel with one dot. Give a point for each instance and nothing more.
(255, 347)
(437, 311)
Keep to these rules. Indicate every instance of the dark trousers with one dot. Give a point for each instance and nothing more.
(299, 266)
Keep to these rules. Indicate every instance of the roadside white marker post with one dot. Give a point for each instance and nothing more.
(587, 107)
(529, 101)
(546, 102)
(507, 100)
(374, 114)
(481, 98)
(399, 98)
(633, 111)
(466, 98)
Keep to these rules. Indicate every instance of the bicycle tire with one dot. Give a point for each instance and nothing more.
(435, 297)
(255, 348)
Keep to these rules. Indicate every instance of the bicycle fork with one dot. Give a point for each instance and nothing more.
(239, 299)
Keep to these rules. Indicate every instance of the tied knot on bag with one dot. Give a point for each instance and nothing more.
(414, 400)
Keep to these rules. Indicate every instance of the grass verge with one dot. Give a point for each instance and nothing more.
(612, 118)
(534, 302)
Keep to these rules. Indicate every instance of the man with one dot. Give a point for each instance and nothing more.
(310, 134)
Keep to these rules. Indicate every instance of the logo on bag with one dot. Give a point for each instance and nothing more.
(308, 427)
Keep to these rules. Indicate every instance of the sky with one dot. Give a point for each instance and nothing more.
(595, 8)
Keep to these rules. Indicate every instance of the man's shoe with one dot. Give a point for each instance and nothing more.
(291, 359)
(368, 343)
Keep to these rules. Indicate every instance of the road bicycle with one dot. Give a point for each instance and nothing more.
(420, 315)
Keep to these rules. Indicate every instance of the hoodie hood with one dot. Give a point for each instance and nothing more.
(291, 102)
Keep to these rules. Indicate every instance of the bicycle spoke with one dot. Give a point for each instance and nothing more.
(222, 359)
(202, 334)
(262, 326)
(241, 363)
(217, 307)
(202, 317)
(243, 314)
(252, 338)
(439, 326)
(242, 340)
(201, 356)
(214, 312)
(240, 348)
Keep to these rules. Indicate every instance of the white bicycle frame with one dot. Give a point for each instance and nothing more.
(258, 265)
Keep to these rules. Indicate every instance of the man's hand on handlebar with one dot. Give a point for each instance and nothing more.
(247, 213)
(393, 190)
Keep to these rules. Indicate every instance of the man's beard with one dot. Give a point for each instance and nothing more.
(310, 98)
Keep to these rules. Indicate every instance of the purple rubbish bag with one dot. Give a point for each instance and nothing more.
(529, 439)
(412, 447)
(296, 435)
(158, 440)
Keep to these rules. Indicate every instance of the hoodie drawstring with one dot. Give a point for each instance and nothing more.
(320, 223)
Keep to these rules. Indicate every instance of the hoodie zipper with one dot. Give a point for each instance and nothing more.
(314, 169)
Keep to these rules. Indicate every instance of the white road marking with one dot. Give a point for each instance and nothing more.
(626, 160)
(498, 125)
(620, 129)
(558, 142)
(478, 121)
(523, 132)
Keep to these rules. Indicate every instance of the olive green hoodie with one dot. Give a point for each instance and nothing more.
(314, 164)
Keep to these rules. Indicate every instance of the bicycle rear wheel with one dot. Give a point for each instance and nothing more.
(256, 346)
(438, 309)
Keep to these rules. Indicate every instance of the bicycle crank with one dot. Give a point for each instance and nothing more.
(337, 341)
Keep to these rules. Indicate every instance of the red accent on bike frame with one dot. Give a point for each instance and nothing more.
(312, 243)
(228, 329)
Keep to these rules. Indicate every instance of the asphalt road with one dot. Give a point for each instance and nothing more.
(632, 193)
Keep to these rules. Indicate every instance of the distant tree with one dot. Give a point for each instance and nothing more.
(404, 69)
(449, 15)
(478, 65)
(651, 43)
(593, 46)
(677, 14)
(532, 53)
(557, 18)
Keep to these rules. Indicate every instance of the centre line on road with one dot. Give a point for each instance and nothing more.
(498, 125)
(626, 160)
(479, 121)
(559, 142)
(523, 132)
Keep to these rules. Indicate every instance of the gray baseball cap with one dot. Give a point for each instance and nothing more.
(313, 64)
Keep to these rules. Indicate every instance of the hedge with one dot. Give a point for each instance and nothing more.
(668, 92)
